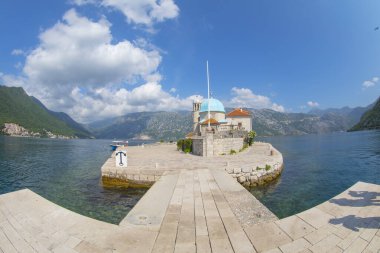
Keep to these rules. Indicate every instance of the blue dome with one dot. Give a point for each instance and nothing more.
(215, 106)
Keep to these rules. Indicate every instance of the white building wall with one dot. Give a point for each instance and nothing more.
(246, 122)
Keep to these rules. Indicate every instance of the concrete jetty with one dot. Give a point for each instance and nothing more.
(195, 208)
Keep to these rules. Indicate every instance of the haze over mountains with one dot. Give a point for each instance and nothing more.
(19, 108)
(266, 122)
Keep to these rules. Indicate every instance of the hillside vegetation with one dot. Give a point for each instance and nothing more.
(370, 119)
(19, 108)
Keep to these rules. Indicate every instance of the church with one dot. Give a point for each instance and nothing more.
(219, 121)
(216, 132)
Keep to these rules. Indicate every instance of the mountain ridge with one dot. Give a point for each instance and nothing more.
(266, 122)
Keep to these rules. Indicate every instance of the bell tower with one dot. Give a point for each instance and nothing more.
(196, 109)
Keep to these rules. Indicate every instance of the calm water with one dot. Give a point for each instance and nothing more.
(318, 167)
(66, 172)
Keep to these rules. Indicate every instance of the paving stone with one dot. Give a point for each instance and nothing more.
(315, 217)
(318, 235)
(267, 236)
(326, 245)
(296, 246)
(295, 227)
(357, 246)
(373, 246)
(275, 250)
(203, 243)
(347, 241)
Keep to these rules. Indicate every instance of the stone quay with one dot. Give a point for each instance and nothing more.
(256, 165)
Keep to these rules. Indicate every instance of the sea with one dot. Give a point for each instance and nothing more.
(67, 172)
(319, 167)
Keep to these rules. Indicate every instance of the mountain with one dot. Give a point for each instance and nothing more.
(266, 122)
(33, 117)
(144, 125)
(81, 131)
(351, 116)
(370, 119)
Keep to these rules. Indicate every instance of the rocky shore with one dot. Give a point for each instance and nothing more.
(258, 174)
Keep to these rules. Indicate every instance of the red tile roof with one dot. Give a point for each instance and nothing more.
(212, 122)
(238, 112)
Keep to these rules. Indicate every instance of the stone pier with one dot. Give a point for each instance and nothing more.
(258, 164)
(200, 210)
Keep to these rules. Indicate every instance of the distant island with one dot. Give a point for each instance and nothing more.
(24, 115)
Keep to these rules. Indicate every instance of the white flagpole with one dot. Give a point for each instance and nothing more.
(208, 95)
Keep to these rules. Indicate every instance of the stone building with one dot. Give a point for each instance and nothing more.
(238, 119)
(218, 133)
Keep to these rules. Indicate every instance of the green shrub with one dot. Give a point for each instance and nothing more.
(267, 167)
(232, 152)
(258, 168)
(179, 144)
(161, 141)
(186, 145)
(251, 137)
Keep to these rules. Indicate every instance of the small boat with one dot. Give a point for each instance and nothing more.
(116, 144)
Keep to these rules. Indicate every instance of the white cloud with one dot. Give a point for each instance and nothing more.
(312, 104)
(243, 97)
(83, 2)
(143, 12)
(173, 90)
(77, 69)
(17, 52)
(370, 83)
(108, 103)
(79, 51)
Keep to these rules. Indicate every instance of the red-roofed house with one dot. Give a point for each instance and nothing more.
(240, 118)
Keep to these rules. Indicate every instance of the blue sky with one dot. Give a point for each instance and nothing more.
(100, 58)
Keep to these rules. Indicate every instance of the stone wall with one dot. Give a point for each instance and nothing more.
(214, 145)
(112, 175)
(225, 145)
(253, 175)
(198, 146)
